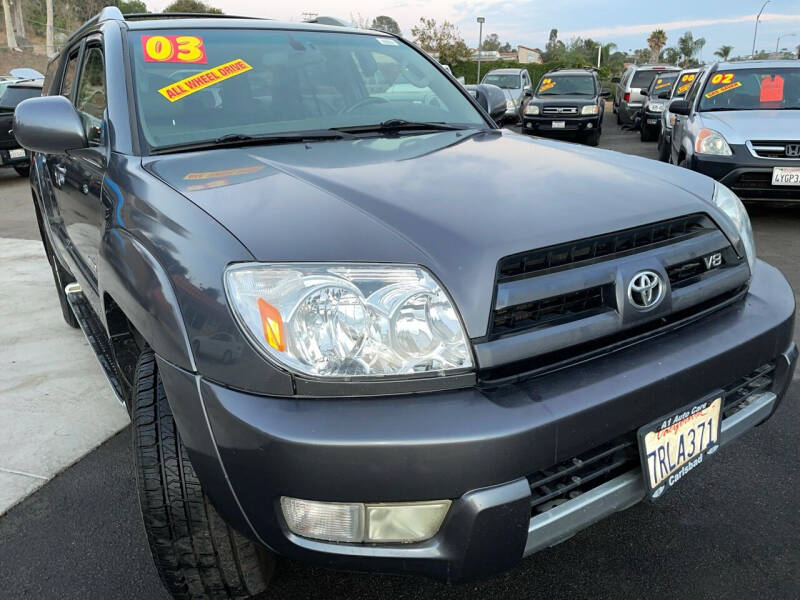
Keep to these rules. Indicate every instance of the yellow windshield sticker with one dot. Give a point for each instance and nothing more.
(688, 77)
(722, 78)
(547, 83)
(199, 81)
(663, 85)
(724, 88)
(684, 88)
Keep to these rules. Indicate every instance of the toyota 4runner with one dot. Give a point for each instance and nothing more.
(346, 333)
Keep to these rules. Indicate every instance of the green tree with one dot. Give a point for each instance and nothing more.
(492, 42)
(444, 39)
(387, 24)
(671, 56)
(191, 6)
(656, 41)
(128, 7)
(689, 49)
(723, 52)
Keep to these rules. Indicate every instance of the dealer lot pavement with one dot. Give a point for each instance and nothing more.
(729, 530)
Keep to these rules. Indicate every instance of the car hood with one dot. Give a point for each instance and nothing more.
(739, 126)
(455, 202)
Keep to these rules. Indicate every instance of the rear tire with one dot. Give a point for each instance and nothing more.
(23, 171)
(619, 118)
(197, 555)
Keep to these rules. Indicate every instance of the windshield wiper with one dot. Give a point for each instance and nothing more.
(393, 125)
(242, 139)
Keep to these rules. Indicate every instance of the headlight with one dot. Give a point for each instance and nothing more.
(510, 105)
(672, 119)
(591, 109)
(348, 320)
(655, 107)
(711, 142)
(532, 109)
(729, 203)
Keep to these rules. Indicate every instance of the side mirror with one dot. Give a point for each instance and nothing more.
(664, 95)
(49, 124)
(644, 92)
(605, 92)
(679, 107)
(615, 80)
(527, 91)
(498, 111)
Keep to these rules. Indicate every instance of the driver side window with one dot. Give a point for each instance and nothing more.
(91, 100)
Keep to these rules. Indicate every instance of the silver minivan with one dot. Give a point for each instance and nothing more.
(629, 98)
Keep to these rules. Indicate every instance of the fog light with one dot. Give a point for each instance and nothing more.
(332, 521)
(411, 522)
(355, 522)
(588, 126)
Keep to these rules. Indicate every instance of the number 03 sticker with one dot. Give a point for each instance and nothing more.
(174, 49)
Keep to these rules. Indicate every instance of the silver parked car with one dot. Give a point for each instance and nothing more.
(740, 124)
(629, 98)
(679, 90)
(516, 85)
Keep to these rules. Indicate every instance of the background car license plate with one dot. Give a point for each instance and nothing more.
(786, 176)
(559, 124)
(16, 153)
(677, 443)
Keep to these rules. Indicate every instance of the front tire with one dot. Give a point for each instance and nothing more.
(646, 133)
(593, 138)
(663, 149)
(196, 553)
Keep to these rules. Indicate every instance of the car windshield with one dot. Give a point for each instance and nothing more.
(684, 83)
(570, 85)
(752, 89)
(199, 85)
(13, 95)
(643, 78)
(508, 82)
(662, 83)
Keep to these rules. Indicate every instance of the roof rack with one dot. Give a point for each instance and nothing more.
(182, 15)
(109, 13)
(324, 20)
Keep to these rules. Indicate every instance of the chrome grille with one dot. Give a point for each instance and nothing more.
(776, 149)
(559, 110)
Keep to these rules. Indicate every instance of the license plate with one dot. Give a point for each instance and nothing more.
(559, 124)
(16, 153)
(786, 176)
(652, 121)
(678, 443)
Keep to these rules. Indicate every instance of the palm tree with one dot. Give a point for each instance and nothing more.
(689, 48)
(656, 41)
(723, 52)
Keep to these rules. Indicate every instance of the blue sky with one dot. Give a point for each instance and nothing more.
(625, 22)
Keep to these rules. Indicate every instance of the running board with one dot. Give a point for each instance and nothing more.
(96, 336)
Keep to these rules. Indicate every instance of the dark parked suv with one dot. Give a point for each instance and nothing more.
(567, 102)
(11, 155)
(347, 334)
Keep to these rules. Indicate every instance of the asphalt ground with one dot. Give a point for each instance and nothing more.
(731, 530)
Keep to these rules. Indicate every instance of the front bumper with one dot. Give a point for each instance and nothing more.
(476, 446)
(539, 124)
(7, 161)
(651, 120)
(749, 177)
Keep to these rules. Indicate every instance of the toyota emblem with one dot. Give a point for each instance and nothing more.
(645, 290)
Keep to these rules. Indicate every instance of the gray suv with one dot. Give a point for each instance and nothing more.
(679, 90)
(516, 85)
(740, 124)
(419, 365)
(628, 98)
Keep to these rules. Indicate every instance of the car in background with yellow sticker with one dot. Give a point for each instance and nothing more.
(740, 124)
(679, 90)
(567, 103)
(656, 99)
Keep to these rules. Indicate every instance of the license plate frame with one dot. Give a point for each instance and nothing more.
(559, 124)
(16, 153)
(681, 420)
(792, 172)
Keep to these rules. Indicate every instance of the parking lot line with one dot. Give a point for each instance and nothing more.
(54, 401)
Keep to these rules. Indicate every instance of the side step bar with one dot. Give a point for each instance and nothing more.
(96, 336)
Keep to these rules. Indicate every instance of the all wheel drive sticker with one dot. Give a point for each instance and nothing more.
(199, 81)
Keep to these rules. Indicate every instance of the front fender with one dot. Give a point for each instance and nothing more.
(132, 276)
